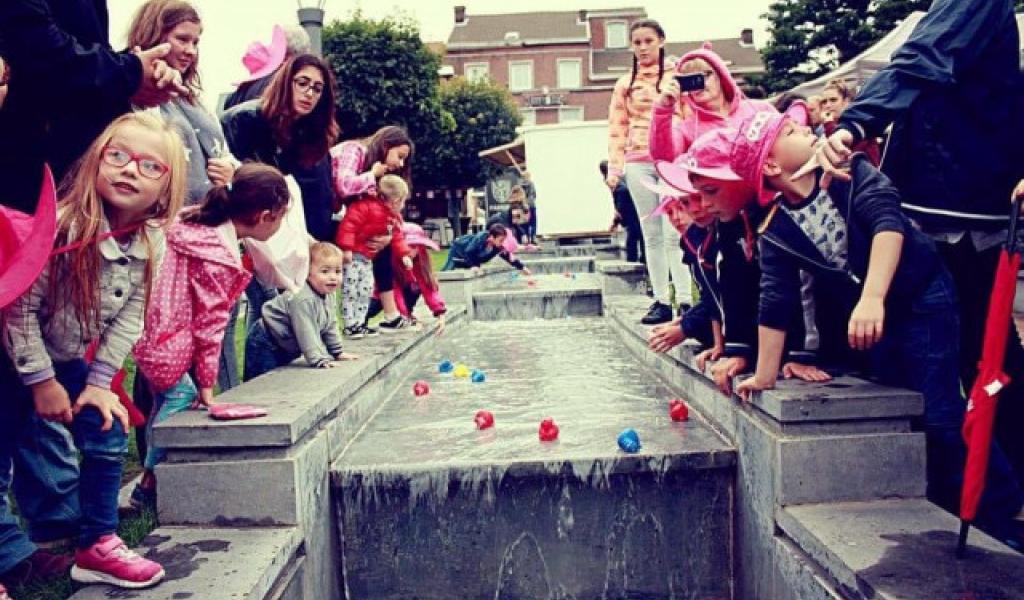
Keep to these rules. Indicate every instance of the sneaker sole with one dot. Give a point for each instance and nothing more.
(354, 336)
(89, 576)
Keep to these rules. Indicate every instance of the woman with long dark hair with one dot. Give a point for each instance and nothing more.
(292, 127)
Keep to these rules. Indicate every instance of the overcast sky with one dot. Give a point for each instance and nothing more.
(229, 25)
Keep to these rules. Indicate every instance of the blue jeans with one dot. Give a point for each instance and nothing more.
(176, 399)
(257, 293)
(58, 494)
(262, 354)
(920, 351)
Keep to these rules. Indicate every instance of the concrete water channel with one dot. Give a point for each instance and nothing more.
(353, 487)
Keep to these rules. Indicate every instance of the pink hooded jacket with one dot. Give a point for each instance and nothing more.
(199, 281)
(669, 139)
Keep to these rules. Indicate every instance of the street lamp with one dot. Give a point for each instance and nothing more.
(311, 17)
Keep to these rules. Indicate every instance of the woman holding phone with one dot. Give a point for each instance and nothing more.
(701, 83)
(629, 117)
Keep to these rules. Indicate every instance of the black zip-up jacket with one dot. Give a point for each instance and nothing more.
(954, 95)
(869, 204)
(67, 85)
(700, 254)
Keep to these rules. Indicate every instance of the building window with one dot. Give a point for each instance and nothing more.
(529, 116)
(615, 35)
(569, 73)
(476, 71)
(570, 114)
(520, 75)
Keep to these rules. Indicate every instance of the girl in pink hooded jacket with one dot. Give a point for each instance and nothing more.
(200, 280)
(720, 104)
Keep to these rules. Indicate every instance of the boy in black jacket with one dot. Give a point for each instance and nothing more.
(853, 236)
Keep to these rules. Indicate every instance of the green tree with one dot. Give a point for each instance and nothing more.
(483, 115)
(811, 37)
(385, 74)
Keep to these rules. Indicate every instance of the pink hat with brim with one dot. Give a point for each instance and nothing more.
(415, 236)
(262, 60)
(753, 143)
(26, 242)
(674, 183)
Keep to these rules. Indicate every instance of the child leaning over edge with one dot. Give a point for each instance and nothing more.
(302, 323)
(853, 236)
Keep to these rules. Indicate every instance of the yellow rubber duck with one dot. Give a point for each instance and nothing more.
(461, 371)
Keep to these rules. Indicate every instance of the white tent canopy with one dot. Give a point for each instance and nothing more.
(867, 63)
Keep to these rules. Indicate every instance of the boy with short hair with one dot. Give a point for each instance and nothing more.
(854, 238)
(474, 250)
(301, 323)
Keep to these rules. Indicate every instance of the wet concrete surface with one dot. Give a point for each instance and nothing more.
(430, 507)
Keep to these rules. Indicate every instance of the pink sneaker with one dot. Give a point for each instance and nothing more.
(3, 593)
(110, 561)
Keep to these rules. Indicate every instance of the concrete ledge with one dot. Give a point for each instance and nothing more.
(551, 297)
(213, 564)
(558, 265)
(297, 397)
(622, 278)
(889, 549)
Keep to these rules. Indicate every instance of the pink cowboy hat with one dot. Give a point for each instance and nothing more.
(262, 60)
(753, 143)
(415, 236)
(674, 183)
(26, 242)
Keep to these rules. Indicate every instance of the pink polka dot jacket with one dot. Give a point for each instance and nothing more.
(199, 281)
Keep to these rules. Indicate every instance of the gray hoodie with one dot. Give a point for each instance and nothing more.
(304, 322)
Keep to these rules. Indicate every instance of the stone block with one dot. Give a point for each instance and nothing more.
(901, 548)
(623, 278)
(558, 265)
(550, 297)
(212, 564)
(856, 467)
(799, 577)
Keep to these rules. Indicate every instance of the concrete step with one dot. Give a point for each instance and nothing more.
(430, 507)
(539, 297)
(901, 549)
(217, 564)
(558, 265)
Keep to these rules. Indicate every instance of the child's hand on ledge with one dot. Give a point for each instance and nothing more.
(804, 372)
(724, 370)
(527, 271)
(204, 399)
(476, 271)
(748, 386)
(711, 354)
(344, 357)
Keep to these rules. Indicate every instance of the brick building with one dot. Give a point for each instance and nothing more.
(561, 66)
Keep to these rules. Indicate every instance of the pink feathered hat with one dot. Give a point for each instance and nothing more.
(415, 236)
(754, 141)
(262, 60)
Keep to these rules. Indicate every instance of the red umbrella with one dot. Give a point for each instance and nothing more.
(981, 406)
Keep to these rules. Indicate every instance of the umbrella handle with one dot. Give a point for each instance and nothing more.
(1011, 236)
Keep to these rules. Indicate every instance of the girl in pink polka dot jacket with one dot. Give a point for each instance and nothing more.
(199, 281)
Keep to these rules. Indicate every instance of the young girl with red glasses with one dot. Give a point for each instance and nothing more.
(95, 287)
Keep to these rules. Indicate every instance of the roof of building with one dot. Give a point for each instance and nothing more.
(532, 27)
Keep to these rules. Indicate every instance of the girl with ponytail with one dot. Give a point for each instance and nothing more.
(629, 159)
(201, 278)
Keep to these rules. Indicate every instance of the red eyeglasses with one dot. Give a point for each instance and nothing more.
(149, 168)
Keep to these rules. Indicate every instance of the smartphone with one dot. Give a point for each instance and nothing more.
(690, 83)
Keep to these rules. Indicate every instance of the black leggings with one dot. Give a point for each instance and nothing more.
(383, 273)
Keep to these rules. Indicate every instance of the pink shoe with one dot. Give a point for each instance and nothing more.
(3, 593)
(110, 561)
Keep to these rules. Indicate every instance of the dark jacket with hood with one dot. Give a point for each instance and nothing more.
(67, 85)
(953, 93)
(669, 138)
(869, 204)
(251, 137)
(700, 254)
(473, 250)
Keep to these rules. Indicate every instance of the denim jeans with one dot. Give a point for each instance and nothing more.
(262, 354)
(58, 494)
(920, 351)
(178, 398)
(257, 293)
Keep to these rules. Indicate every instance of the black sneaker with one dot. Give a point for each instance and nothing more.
(367, 330)
(396, 324)
(354, 333)
(658, 313)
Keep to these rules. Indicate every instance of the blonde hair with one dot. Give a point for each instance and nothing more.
(840, 87)
(393, 187)
(323, 250)
(151, 24)
(80, 214)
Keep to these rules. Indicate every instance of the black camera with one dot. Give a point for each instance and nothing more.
(691, 83)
